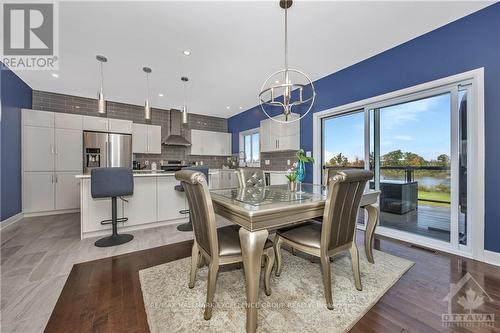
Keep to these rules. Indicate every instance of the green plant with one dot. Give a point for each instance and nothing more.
(301, 156)
(292, 176)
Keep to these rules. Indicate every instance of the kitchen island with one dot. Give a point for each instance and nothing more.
(154, 203)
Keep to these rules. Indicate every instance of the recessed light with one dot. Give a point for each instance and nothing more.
(241, 107)
(160, 94)
(228, 107)
(186, 52)
(277, 81)
(55, 75)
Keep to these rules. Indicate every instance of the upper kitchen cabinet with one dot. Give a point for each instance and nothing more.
(119, 126)
(146, 139)
(38, 148)
(97, 124)
(38, 118)
(68, 151)
(279, 136)
(68, 121)
(210, 143)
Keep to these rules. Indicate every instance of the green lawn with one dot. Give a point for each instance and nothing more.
(441, 196)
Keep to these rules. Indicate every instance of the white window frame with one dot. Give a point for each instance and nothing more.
(475, 249)
(253, 164)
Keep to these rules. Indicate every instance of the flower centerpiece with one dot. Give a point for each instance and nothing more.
(291, 175)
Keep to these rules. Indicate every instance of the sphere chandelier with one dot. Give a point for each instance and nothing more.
(288, 94)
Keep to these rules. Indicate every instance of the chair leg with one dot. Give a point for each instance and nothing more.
(213, 269)
(201, 260)
(195, 259)
(293, 251)
(355, 266)
(277, 251)
(269, 254)
(327, 281)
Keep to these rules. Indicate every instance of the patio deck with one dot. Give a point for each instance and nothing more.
(427, 220)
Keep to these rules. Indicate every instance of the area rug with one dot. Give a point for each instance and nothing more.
(297, 301)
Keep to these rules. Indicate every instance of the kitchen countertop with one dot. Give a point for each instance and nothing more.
(147, 173)
(275, 171)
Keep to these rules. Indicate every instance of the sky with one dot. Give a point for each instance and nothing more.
(421, 127)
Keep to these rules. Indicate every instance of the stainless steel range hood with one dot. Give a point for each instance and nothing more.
(175, 137)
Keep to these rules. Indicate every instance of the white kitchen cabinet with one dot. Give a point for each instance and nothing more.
(277, 136)
(68, 121)
(38, 118)
(210, 143)
(170, 201)
(38, 191)
(97, 124)
(154, 139)
(119, 126)
(67, 191)
(277, 178)
(141, 206)
(139, 138)
(52, 157)
(228, 179)
(146, 139)
(213, 179)
(38, 148)
(68, 149)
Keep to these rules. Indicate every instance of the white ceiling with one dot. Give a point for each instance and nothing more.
(234, 45)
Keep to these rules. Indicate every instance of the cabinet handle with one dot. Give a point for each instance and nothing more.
(56, 178)
(52, 178)
(52, 150)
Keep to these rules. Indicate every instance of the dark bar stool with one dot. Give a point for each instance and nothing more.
(188, 226)
(112, 183)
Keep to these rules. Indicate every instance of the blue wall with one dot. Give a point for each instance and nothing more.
(15, 95)
(468, 43)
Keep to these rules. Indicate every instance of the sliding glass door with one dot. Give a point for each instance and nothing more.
(413, 165)
(416, 145)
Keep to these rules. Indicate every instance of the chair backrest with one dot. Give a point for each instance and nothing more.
(201, 210)
(111, 182)
(345, 190)
(202, 169)
(251, 177)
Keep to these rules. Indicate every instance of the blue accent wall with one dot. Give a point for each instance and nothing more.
(468, 43)
(15, 95)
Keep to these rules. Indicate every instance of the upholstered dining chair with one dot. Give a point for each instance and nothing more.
(251, 177)
(217, 246)
(337, 231)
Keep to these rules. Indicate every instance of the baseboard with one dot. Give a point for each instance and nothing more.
(491, 257)
(52, 212)
(11, 220)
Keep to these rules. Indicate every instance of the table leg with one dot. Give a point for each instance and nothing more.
(252, 248)
(370, 230)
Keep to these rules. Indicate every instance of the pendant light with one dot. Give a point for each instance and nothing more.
(147, 108)
(268, 96)
(184, 107)
(101, 102)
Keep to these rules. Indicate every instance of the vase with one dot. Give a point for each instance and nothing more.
(301, 174)
(292, 186)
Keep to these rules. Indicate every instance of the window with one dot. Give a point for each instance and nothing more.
(250, 148)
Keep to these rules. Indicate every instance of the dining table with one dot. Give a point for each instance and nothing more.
(260, 210)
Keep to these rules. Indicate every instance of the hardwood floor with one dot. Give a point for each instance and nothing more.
(105, 295)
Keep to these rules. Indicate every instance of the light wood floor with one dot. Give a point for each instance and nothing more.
(37, 255)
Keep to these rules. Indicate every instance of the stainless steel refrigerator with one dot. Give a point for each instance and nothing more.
(106, 150)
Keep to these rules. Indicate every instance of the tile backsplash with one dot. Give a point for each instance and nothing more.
(47, 101)
(278, 161)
